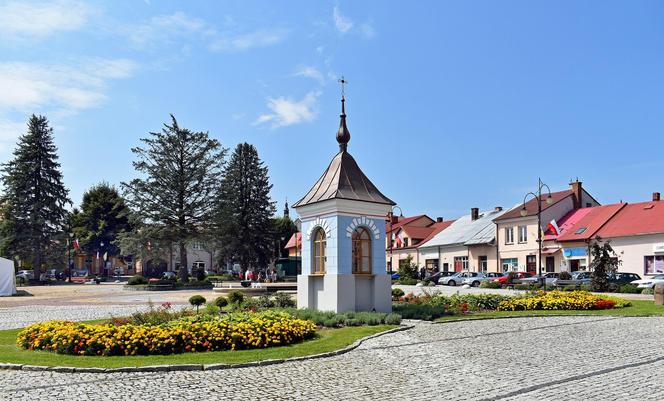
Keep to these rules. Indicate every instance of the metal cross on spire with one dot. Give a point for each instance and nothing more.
(343, 83)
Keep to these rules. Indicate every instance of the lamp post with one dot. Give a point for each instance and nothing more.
(524, 213)
(70, 243)
(390, 215)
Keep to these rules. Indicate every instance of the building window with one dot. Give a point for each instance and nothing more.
(510, 265)
(361, 251)
(653, 264)
(531, 263)
(431, 264)
(197, 246)
(523, 234)
(484, 264)
(198, 265)
(460, 263)
(405, 242)
(509, 235)
(319, 252)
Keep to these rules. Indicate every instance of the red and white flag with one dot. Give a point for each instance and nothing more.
(77, 246)
(97, 255)
(553, 227)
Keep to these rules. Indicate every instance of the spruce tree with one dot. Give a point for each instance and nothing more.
(244, 226)
(177, 193)
(604, 262)
(103, 216)
(34, 200)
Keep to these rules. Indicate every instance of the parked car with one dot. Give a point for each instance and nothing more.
(396, 276)
(578, 278)
(649, 282)
(457, 278)
(169, 276)
(518, 276)
(549, 279)
(25, 275)
(475, 281)
(55, 274)
(438, 275)
(620, 278)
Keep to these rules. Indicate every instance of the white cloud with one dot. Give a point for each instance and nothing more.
(343, 23)
(182, 28)
(23, 20)
(310, 72)
(285, 111)
(27, 86)
(167, 29)
(238, 42)
(367, 30)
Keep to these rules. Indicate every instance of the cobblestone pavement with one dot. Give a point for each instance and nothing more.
(557, 358)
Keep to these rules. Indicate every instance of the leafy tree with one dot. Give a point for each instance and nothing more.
(283, 229)
(243, 222)
(604, 261)
(33, 205)
(408, 269)
(177, 194)
(102, 217)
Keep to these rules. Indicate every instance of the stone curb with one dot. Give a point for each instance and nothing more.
(470, 319)
(198, 367)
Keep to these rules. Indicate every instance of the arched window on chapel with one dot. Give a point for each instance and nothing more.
(361, 251)
(319, 252)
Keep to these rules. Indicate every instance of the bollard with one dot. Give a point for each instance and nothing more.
(659, 294)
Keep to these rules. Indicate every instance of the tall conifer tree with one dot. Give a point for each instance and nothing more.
(244, 226)
(34, 200)
(177, 193)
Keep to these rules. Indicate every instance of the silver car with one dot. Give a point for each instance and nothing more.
(550, 279)
(475, 281)
(457, 278)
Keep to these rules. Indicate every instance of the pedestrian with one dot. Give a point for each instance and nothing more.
(423, 272)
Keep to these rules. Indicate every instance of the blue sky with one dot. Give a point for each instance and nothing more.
(450, 105)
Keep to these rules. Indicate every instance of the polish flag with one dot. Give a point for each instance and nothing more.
(77, 246)
(553, 227)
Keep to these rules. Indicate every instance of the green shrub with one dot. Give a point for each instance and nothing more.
(393, 318)
(137, 280)
(153, 316)
(284, 300)
(407, 281)
(648, 291)
(489, 284)
(565, 276)
(197, 301)
(212, 309)
(397, 293)
(221, 301)
(629, 289)
(264, 301)
(235, 297)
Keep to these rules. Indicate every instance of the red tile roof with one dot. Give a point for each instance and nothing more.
(596, 218)
(531, 205)
(565, 223)
(403, 221)
(635, 219)
(291, 242)
(432, 229)
(417, 232)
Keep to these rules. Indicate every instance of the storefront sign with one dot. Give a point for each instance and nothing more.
(658, 248)
(575, 252)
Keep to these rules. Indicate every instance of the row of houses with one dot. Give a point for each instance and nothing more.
(507, 239)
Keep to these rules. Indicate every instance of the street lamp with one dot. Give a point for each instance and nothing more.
(390, 215)
(524, 213)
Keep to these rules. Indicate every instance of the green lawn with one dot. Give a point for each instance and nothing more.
(326, 340)
(638, 308)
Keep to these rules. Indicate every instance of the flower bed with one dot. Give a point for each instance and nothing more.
(229, 332)
(558, 300)
(430, 307)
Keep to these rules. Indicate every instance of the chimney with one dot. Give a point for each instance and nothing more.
(498, 209)
(577, 190)
(395, 219)
(655, 196)
(439, 219)
(474, 213)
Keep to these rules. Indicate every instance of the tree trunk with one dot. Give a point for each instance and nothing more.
(37, 264)
(184, 269)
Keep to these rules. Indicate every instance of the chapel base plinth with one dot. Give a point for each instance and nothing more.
(345, 293)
